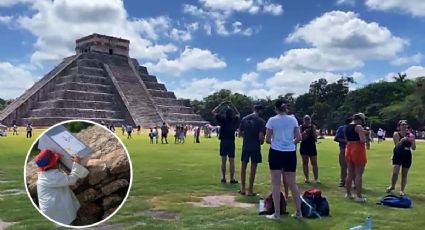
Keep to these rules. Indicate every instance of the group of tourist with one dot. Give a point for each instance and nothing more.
(283, 133)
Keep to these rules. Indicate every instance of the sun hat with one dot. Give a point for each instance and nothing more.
(360, 115)
(46, 159)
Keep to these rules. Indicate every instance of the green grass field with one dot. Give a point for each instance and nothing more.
(167, 177)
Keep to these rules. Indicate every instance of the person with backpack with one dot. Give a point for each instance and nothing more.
(355, 155)
(252, 129)
(340, 138)
(404, 142)
(308, 149)
(283, 133)
(228, 123)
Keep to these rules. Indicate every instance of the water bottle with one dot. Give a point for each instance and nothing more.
(368, 223)
(358, 227)
(261, 205)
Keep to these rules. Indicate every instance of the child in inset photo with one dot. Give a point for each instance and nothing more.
(55, 196)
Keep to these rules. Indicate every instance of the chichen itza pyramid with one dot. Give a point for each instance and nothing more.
(103, 84)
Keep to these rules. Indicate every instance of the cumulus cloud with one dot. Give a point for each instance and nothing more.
(412, 7)
(14, 79)
(412, 72)
(219, 13)
(414, 59)
(190, 58)
(345, 42)
(57, 24)
(198, 88)
(6, 19)
(346, 2)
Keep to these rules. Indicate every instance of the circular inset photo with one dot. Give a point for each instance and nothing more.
(78, 173)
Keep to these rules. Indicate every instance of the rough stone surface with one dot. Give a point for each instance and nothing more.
(104, 189)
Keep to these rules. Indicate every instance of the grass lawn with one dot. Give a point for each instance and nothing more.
(167, 177)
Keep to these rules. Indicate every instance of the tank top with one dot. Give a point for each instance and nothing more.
(310, 137)
(405, 144)
(350, 133)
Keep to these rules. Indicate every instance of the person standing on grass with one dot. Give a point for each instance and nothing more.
(340, 138)
(367, 136)
(29, 130)
(15, 130)
(164, 133)
(129, 130)
(404, 142)
(355, 155)
(155, 134)
(308, 149)
(151, 136)
(138, 129)
(228, 123)
(123, 128)
(380, 135)
(252, 129)
(283, 134)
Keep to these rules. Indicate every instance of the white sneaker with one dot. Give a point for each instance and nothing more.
(272, 217)
(349, 196)
(360, 199)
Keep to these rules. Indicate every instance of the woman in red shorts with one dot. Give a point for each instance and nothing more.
(355, 155)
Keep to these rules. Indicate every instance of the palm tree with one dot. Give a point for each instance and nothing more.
(400, 78)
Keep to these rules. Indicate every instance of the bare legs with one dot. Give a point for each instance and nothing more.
(394, 178)
(231, 168)
(251, 177)
(354, 172)
(290, 178)
(313, 160)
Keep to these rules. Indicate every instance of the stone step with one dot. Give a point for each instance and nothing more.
(182, 117)
(78, 104)
(99, 88)
(86, 70)
(83, 78)
(175, 109)
(106, 58)
(84, 62)
(194, 123)
(148, 78)
(73, 112)
(82, 95)
(48, 121)
(162, 93)
(155, 85)
(167, 101)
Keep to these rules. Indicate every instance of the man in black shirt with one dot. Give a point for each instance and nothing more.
(164, 133)
(228, 125)
(252, 129)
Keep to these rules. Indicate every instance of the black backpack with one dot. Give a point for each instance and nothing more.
(314, 206)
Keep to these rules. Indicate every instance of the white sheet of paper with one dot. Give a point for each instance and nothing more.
(68, 142)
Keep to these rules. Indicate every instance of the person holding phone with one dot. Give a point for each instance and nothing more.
(404, 143)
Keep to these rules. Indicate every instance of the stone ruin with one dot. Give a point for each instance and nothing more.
(103, 84)
(106, 186)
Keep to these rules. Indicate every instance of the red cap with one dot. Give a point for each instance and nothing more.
(46, 159)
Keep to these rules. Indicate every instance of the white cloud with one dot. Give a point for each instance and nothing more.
(346, 2)
(220, 14)
(9, 3)
(77, 18)
(6, 19)
(412, 7)
(190, 58)
(198, 88)
(345, 42)
(14, 79)
(414, 59)
(412, 72)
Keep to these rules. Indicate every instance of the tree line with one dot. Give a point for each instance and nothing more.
(329, 104)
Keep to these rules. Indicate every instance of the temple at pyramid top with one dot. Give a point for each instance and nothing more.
(103, 44)
(102, 83)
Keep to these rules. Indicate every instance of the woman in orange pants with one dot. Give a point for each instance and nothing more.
(355, 155)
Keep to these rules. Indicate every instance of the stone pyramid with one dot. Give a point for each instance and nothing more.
(103, 84)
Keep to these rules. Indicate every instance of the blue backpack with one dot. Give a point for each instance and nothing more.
(396, 201)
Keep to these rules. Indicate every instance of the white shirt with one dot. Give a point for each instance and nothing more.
(283, 127)
(380, 133)
(55, 198)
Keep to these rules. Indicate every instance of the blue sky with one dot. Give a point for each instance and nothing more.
(257, 47)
